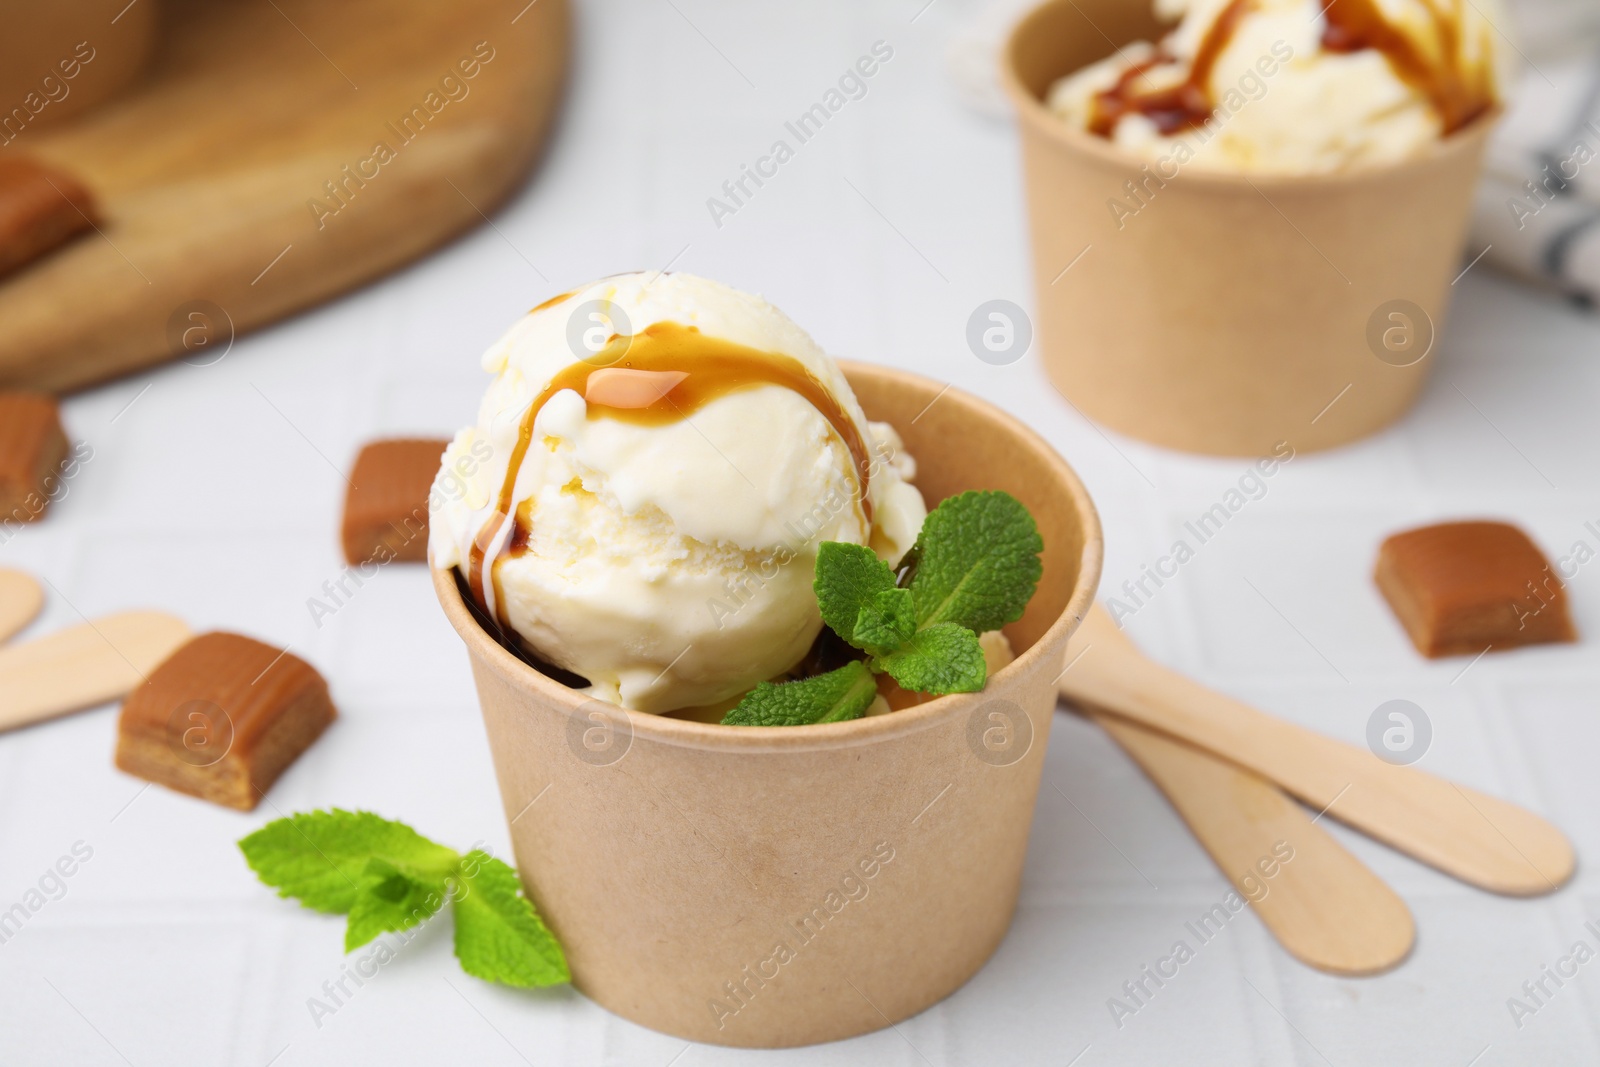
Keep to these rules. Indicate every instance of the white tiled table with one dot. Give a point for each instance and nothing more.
(214, 493)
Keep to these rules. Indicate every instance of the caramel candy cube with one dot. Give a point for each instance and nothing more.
(386, 508)
(40, 208)
(32, 446)
(222, 718)
(1462, 587)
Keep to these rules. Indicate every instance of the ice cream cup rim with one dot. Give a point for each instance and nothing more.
(1032, 111)
(937, 712)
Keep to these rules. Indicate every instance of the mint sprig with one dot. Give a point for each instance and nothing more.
(854, 576)
(886, 622)
(836, 696)
(389, 901)
(974, 567)
(499, 937)
(977, 562)
(321, 858)
(389, 878)
(942, 658)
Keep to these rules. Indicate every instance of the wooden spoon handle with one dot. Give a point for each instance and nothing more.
(20, 600)
(84, 665)
(1475, 837)
(1321, 903)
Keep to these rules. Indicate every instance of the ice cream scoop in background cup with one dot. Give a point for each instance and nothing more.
(1231, 312)
(769, 887)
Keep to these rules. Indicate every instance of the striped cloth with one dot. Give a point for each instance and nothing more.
(1538, 208)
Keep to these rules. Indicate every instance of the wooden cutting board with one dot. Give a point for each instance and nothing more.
(210, 169)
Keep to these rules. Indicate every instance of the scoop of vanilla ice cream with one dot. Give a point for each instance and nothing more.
(670, 564)
(1286, 104)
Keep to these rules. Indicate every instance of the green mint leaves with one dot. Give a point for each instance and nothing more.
(321, 857)
(389, 901)
(886, 622)
(943, 658)
(977, 562)
(499, 937)
(389, 878)
(833, 697)
(848, 578)
(973, 569)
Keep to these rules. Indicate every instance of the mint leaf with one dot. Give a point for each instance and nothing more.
(886, 622)
(320, 857)
(942, 658)
(977, 562)
(833, 697)
(974, 567)
(391, 878)
(847, 578)
(390, 901)
(499, 935)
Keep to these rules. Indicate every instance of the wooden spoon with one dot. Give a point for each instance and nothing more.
(20, 600)
(1321, 903)
(84, 665)
(1475, 837)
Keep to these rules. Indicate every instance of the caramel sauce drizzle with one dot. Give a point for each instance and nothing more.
(1180, 107)
(1458, 96)
(707, 368)
(553, 301)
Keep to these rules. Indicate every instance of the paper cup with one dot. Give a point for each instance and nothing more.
(1227, 313)
(767, 887)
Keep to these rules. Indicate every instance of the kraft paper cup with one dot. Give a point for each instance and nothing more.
(767, 887)
(1227, 313)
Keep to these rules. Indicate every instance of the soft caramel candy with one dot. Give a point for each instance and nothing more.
(222, 718)
(40, 208)
(1462, 587)
(32, 446)
(386, 508)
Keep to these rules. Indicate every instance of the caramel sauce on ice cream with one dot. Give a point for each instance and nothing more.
(1180, 107)
(1458, 95)
(638, 507)
(1457, 91)
(661, 375)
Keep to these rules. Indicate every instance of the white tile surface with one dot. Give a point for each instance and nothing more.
(214, 492)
